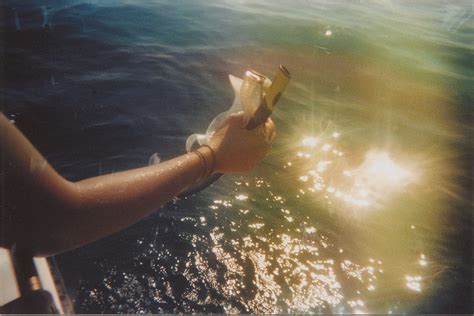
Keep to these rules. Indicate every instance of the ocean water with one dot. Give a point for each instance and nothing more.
(364, 204)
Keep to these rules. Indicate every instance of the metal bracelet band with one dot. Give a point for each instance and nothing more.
(213, 163)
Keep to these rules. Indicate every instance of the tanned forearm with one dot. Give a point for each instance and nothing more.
(51, 214)
(44, 214)
(107, 204)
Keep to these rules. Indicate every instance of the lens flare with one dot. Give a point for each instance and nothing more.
(379, 169)
(324, 170)
(310, 141)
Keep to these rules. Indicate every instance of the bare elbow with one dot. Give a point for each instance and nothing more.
(49, 222)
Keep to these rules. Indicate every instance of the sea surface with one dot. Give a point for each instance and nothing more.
(364, 205)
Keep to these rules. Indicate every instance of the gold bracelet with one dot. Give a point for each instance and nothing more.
(202, 160)
(213, 163)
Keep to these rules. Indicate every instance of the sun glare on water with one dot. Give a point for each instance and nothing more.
(379, 169)
(324, 172)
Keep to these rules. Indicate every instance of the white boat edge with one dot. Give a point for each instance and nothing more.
(9, 289)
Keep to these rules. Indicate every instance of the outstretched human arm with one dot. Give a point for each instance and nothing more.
(50, 214)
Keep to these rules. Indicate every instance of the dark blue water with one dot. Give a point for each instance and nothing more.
(379, 88)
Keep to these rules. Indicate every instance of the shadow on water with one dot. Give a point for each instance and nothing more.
(364, 204)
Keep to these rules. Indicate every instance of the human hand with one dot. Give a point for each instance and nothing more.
(238, 149)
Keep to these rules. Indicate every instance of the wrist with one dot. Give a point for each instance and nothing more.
(207, 158)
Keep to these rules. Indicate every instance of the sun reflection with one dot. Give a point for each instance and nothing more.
(256, 225)
(374, 181)
(413, 282)
(423, 261)
(322, 165)
(241, 197)
(326, 147)
(379, 169)
(310, 141)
